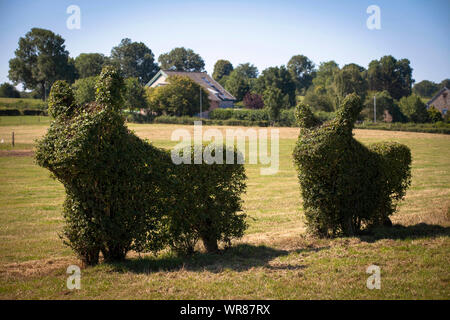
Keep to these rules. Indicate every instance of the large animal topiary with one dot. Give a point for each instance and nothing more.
(346, 186)
(117, 185)
(124, 194)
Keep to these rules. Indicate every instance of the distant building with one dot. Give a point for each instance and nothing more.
(441, 101)
(217, 95)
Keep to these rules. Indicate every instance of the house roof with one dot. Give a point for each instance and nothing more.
(436, 96)
(215, 91)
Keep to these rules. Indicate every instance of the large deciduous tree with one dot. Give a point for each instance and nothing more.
(135, 60)
(274, 101)
(241, 80)
(89, 64)
(392, 75)
(222, 68)
(181, 59)
(40, 60)
(135, 96)
(350, 79)
(302, 71)
(277, 77)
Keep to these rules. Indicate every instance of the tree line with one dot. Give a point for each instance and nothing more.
(41, 59)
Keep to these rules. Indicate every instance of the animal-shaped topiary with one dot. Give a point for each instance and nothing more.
(345, 185)
(116, 184)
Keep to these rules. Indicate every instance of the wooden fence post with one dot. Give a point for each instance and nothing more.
(12, 140)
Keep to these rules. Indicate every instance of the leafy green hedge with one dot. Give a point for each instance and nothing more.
(346, 186)
(21, 103)
(24, 112)
(122, 193)
(438, 127)
(208, 195)
(10, 112)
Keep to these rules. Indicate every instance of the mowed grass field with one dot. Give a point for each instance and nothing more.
(274, 260)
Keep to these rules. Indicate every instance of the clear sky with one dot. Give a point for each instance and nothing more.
(265, 33)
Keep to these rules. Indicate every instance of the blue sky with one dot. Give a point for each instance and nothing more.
(265, 33)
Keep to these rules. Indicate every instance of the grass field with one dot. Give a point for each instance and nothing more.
(274, 260)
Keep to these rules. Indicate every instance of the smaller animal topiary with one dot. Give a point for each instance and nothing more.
(345, 185)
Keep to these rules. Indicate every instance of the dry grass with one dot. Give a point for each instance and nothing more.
(274, 260)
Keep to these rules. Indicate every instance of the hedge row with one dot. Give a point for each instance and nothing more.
(439, 127)
(25, 112)
(23, 103)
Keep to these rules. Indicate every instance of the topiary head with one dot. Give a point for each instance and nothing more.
(305, 118)
(348, 112)
(61, 101)
(109, 88)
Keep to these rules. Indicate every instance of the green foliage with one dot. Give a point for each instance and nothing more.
(84, 90)
(10, 112)
(90, 64)
(274, 101)
(325, 74)
(239, 114)
(181, 59)
(109, 88)
(350, 79)
(302, 71)
(392, 75)
(248, 70)
(222, 68)
(434, 115)
(180, 97)
(116, 185)
(345, 185)
(7, 90)
(279, 78)
(209, 200)
(425, 88)
(414, 109)
(135, 95)
(384, 103)
(437, 127)
(238, 84)
(21, 104)
(135, 60)
(40, 60)
(61, 102)
(320, 99)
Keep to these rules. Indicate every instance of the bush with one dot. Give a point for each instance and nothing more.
(209, 200)
(438, 127)
(32, 112)
(414, 109)
(9, 112)
(117, 186)
(253, 101)
(180, 97)
(434, 115)
(239, 114)
(135, 96)
(345, 185)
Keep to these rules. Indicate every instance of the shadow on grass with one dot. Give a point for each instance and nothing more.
(418, 231)
(239, 258)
